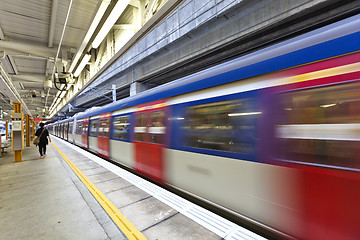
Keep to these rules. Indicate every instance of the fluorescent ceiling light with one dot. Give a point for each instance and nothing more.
(62, 94)
(99, 14)
(110, 21)
(328, 105)
(82, 64)
(243, 114)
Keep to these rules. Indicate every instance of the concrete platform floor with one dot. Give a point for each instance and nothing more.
(41, 199)
(44, 199)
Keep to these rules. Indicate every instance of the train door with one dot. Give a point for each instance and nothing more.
(66, 131)
(84, 136)
(62, 130)
(70, 129)
(104, 135)
(150, 131)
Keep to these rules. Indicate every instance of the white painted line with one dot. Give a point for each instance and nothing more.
(218, 225)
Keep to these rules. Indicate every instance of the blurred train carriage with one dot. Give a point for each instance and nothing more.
(271, 137)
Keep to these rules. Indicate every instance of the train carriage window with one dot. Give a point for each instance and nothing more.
(157, 127)
(320, 126)
(94, 127)
(121, 127)
(224, 126)
(79, 127)
(85, 127)
(101, 128)
(104, 127)
(70, 127)
(140, 127)
(107, 127)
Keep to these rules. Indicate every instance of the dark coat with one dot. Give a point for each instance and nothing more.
(44, 135)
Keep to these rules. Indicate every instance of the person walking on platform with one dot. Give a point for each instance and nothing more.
(43, 135)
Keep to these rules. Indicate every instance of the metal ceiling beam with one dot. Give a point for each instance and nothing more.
(135, 3)
(11, 60)
(2, 36)
(27, 49)
(54, 8)
(10, 91)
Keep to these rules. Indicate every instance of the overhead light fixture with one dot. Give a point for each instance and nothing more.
(95, 22)
(82, 64)
(62, 94)
(328, 105)
(110, 21)
(243, 114)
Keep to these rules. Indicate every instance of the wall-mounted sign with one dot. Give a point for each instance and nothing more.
(16, 125)
(41, 119)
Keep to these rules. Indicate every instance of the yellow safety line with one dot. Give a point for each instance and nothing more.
(123, 223)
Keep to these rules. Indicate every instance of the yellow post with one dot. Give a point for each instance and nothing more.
(27, 129)
(7, 130)
(33, 129)
(18, 153)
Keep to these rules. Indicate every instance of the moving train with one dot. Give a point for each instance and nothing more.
(272, 137)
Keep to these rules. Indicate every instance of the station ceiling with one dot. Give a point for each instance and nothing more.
(30, 33)
(40, 38)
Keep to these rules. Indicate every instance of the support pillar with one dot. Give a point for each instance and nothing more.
(17, 132)
(27, 130)
(137, 87)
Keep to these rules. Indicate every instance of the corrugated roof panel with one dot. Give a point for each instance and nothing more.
(79, 20)
(34, 8)
(29, 65)
(25, 19)
(33, 85)
(23, 25)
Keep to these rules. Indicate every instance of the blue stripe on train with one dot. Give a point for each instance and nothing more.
(335, 47)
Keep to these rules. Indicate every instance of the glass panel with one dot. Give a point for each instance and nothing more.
(157, 127)
(320, 126)
(224, 126)
(140, 128)
(104, 127)
(94, 126)
(79, 126)
(70, 127)
(121, 127)
(85, 127)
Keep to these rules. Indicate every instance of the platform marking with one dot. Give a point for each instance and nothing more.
(120, 220)
(218, 225)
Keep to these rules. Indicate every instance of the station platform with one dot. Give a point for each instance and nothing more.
(73, 194)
